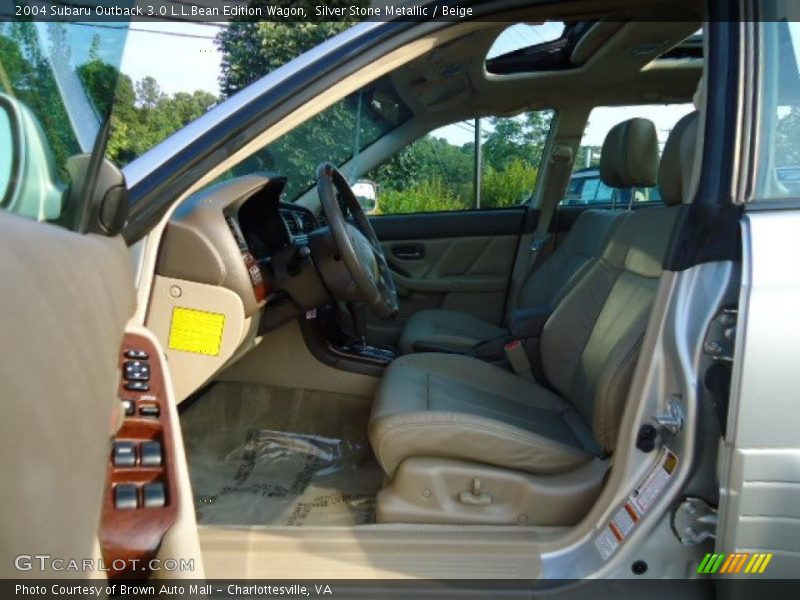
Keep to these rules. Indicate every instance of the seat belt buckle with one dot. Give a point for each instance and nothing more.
(537, 244)
(515, 352)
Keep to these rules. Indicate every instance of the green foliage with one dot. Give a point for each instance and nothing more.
(431, 174)
(510, 187)
(431, 195)
(428, 159)
(251, 49)
(516, 138)
(144, 116)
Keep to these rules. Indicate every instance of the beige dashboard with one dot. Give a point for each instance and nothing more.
(208, 290)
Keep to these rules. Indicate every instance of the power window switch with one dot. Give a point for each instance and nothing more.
(125, 496)
(150, 454)
(154, 495)
(124, 454)
(137, 386)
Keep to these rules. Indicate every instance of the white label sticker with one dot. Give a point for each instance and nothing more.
(606, 543)
(642, 499)
(648, 492)
(623, 521)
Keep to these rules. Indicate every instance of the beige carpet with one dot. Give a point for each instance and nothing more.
(275, 456)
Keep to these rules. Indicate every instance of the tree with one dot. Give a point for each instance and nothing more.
(251, 49)
(516, 138)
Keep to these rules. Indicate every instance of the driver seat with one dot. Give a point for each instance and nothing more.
(465, 441)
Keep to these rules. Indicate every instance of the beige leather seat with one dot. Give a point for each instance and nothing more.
(450, 407)
(629, 158)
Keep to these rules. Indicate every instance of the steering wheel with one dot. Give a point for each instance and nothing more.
(358, 245)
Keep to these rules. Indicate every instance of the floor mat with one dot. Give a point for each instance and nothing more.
(273, 456)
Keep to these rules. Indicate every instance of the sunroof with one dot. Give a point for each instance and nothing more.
(523, 35)
(525, 48)
(690, 48)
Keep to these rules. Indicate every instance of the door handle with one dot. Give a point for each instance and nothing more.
(409, 251)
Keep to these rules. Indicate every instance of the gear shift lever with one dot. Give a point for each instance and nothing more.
(358, 314)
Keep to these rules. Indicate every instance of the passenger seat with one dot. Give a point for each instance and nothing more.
(629, 158)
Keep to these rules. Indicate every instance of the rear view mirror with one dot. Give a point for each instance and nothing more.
(366, 193)
(29, 185)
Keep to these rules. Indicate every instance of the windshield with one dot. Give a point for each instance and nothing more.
(335, 135)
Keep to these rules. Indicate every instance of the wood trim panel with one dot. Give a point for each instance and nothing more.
(130, 538)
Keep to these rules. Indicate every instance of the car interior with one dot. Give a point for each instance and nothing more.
(435, 394)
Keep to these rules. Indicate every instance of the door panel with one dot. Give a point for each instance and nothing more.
(65, 302)
(417, 226)
(455, 260)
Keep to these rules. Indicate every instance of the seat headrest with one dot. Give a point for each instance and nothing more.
(677, 160)
(629, 157)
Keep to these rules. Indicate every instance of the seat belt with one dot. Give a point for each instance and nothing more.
(532, 244)
(558, 176)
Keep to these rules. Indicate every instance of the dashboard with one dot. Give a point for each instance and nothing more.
(234, 263)
(230, 235)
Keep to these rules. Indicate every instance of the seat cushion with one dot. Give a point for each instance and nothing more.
(450, 329)
(453, 406)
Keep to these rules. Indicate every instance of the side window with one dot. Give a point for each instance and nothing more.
(585, 186)
(778, 174)
(437, 172)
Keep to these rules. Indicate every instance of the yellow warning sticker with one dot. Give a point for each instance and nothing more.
(196, 331)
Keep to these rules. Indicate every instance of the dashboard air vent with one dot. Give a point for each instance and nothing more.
(292, 221)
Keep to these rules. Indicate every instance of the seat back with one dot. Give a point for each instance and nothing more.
(590, 345)
(629, 158)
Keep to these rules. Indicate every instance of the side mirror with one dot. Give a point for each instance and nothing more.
(29, 185)
(366, 192)
(9, 161)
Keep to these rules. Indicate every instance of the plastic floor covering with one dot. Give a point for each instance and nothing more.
(273, 456)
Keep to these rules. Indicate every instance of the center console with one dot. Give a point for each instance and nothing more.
(339, 340)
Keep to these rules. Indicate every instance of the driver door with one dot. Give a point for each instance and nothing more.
(66, 296)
